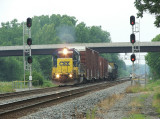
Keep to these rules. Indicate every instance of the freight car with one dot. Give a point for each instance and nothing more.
(73, 67)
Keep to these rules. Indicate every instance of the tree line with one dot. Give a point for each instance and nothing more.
(54, 29)
(152, 7)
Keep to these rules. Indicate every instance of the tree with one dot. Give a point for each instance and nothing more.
(10, 69)
(82, 33)
(151, 6)
(153, 60)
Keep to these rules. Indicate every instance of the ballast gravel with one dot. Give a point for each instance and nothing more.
(69, 109)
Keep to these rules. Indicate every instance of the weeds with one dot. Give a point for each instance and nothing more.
(136, 116)
(91, 114)
(135, 89)
(6, 87)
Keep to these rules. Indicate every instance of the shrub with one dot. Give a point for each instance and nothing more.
(37, 78)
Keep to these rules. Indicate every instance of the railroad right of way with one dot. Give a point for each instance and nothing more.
(15, 108)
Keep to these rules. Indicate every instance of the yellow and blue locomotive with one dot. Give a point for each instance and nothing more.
(65, 70)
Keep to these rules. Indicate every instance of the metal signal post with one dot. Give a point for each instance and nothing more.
(132, 40)
(27, 50)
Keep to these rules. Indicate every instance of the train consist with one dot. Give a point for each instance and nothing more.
(71, 66)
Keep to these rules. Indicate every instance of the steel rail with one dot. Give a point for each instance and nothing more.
(7, 109)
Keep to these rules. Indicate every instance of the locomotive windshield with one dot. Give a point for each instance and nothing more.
(66, 53)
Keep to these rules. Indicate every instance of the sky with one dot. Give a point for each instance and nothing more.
(112, 15)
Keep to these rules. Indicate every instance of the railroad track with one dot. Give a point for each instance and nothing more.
(30, 92)
(23, 107)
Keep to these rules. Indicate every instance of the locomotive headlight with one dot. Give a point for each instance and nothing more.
(65, 51)
(70, 75)
(57, 76)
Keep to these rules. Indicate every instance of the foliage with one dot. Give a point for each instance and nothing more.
(151, 6)
(37, 78)
(156, 102)
(48, 83)
(6, 87)
(152, 88)
(135, 89)
(153, 60)
(91, 114)
(137, 116)
(10, 69)
(46, 29)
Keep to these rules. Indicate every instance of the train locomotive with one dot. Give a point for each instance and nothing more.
(71, 67)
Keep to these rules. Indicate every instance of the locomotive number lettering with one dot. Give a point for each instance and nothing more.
(64, 63)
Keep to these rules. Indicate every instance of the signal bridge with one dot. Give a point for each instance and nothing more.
(116, 47)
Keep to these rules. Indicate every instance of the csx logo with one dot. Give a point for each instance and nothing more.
(64, 63)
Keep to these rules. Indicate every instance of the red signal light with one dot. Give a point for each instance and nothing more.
(133, 57)
(29, 41)
(132, 23)
(29, 22)
(132, 20)
(132, 38)
(29, 59)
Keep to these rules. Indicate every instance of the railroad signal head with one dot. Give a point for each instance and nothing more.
(132, 20)
(132, 38)
(29, 41)
(133, 57)
(29, 22)
(29, 59)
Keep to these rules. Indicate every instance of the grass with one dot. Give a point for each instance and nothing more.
(136, 89)
(103, 106)
(48, 83)
(156, 101)
(136, 105)
(109, 102)
(136, 116)
(6, 87)
(91, 114)
(153, 87)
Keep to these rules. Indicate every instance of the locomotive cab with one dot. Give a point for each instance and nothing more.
(65, 66)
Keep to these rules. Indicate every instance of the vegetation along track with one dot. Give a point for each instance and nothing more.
(23, 107)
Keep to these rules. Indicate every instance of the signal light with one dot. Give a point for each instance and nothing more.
(132, 20)
(132, 38)
(29, 60)
(29, 41)
(29, 22)
(133, 57)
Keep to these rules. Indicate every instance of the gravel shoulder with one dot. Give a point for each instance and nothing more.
(77, 108)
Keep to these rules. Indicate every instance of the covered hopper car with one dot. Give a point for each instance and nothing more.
(73, 67)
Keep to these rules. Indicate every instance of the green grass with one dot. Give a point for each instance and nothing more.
(48, 84)
(156, 102)
(143, 97)
(136, 116)
(91, 114)
(153, 87)
(136, 89)
(6, 87)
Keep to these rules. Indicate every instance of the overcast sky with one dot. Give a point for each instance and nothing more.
(112, 15)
